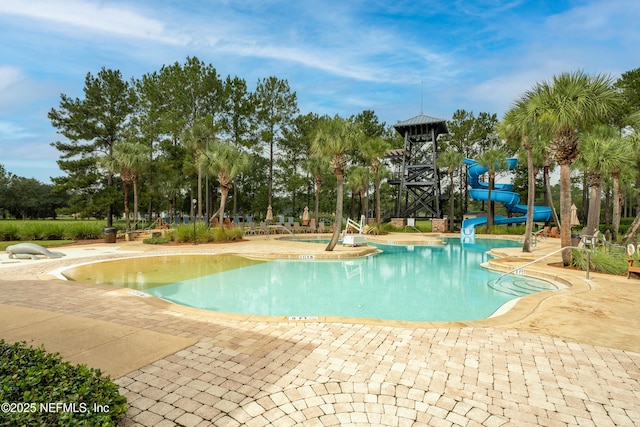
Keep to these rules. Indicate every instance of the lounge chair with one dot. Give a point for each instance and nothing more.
(264, 228)
(312, 226)
(289, 227)
(251, 229)
(321, 227)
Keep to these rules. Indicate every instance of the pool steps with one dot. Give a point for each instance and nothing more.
(519, 286)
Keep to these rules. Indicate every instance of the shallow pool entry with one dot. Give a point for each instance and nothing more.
(413, 283)
(144, 273)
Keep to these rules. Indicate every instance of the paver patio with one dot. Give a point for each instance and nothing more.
(230, 370)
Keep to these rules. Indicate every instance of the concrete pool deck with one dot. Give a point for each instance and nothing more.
(556, 358)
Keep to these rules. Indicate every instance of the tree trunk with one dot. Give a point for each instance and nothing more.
(451, 202)
(632, 230)
(549, 196)
(595, 193)
(617, 199)
(135, 202)
(110, 207)
(607, 201)
(585, 196)
(376, 180)
(224, 192)
(489, 203)
(565, 212)
(338, 221)
(531, 198)
(127, 225)
(270, 167)
(200, 192)
(317, 207)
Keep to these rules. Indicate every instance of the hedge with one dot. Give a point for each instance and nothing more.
(40, 389)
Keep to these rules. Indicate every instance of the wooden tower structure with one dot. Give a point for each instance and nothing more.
(415, 172)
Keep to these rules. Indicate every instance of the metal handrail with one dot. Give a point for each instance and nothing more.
(547, 256)
(590, 240)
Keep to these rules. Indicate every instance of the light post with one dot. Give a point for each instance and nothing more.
(195, 204)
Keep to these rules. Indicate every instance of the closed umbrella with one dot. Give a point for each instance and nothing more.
(269, 217)
(305, 216)
(574, 216)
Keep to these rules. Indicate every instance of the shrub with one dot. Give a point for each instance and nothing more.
(41, 230)
(502, 229)
(184, 232)
(33, 377)
(84, 230)
(600, 261)
(157, 240)
(9, 231)
(204, 233)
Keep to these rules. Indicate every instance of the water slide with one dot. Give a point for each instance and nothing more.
(502, 193)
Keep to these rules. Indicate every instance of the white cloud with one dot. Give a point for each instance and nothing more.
(89, 15)
(9, 76)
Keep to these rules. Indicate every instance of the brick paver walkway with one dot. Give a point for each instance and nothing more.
(285, 374)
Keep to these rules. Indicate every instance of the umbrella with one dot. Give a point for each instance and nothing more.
(574, 216)
(305, 215)
(269, 214)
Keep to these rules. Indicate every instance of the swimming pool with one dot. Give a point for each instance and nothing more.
(413, 283)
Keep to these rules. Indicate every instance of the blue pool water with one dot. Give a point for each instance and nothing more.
(415, 283)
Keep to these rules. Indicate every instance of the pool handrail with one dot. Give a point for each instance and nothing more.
(547, 256)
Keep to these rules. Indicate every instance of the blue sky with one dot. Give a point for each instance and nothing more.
(340, 57)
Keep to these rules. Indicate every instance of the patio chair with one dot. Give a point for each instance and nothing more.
(289, 227)
(264, 228)
(321, 227)
(297, 229)
(251, 229)
(555, 232)
(312, 226)
(632, 267)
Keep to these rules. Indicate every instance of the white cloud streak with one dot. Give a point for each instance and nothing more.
(69, 15)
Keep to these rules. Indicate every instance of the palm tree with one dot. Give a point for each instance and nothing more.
(128, 159)
(451, 160)
(634, 141)
(620, 158)
(373, 150)
(196, 139)
(495, 160)
(521, 124)
(226, 162)
(334, 139)
(317, 167)
(569, 103)
(595, 146)
(358, 183)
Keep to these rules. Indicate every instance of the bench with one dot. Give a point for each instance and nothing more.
(633, 268)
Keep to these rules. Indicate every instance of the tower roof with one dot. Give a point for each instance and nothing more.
(424, 121)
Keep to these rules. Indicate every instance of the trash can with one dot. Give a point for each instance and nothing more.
(575, 239)
(109, 235)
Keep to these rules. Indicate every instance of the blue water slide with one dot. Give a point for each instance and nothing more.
(502, 194)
